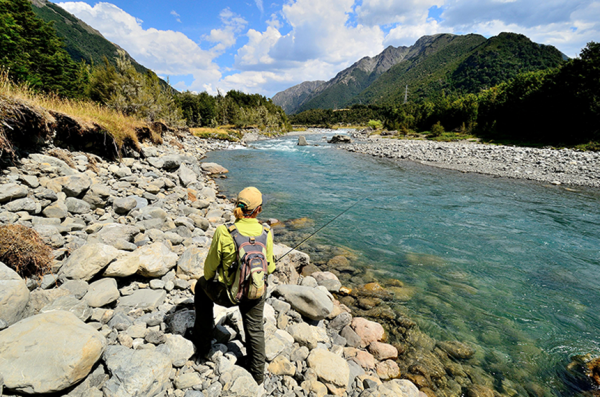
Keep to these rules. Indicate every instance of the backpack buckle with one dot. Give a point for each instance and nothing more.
(252, 240)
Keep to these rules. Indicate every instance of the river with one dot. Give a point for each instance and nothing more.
(509, 266)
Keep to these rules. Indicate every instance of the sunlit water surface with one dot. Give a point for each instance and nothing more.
(511, 266)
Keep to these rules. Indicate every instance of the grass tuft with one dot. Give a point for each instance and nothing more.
(22, 249)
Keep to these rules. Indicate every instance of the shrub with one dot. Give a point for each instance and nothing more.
(22, 250)
(375, 124)
(437, 129)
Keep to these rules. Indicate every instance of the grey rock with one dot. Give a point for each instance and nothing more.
(310, 302)
(340, 321)
(122, 206)
(155, 337)
(77, 288)
(46, 194)
(48, 352)
(12, 191)
(14, 295)
(396, 387)
(146, 299)
(102, 292)
(178, 349)
(39, 298)
(48, 281)
(24, 204)
(76, 206)
(281, 306)
(243, 384)
(114, 232)
(87, 261)
(352, 338)
(199, 221)
(277, 343)
(50, 235)
(62, 167)
(30, 180)
(214, 390)
(187, 176)
(181, 321)
(302, 141)
(193, 393)
(153, 319)
(136, 373)
(191, 262)
(69, 304)
(73, 185)
(307, 335)
(188, 380)
(157, 284)
(3, 326)
(120, 321)
(213, 168)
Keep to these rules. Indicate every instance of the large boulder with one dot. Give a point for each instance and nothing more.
(12, 191)
(331, 369)
(155, 260)
(14, 295)
(48, 353)
(289, 267)
(187, 176)
(146, 299)
(368, 331)
(59, 166)
(72, 185)
(394, 388)
(114, 234)
(87, 261)
(302, 141)
(310, 302)
(102, 292)
(213, 168)
(178, 348)
(191, 263)
(136, 372)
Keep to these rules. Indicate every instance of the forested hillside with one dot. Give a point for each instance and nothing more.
(82, 42)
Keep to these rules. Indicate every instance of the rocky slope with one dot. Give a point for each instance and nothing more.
(292, 98)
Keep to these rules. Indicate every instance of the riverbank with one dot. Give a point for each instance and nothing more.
(113, 314)
(558, 167)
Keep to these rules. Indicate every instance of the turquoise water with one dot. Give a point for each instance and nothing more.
(510, 266)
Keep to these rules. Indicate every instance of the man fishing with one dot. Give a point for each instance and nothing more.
(235, 271)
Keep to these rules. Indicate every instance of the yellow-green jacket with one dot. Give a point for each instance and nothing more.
(222, 250)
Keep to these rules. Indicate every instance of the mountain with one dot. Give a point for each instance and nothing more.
(433, 65)
(353, 80)
(82, 42)
(292, 98)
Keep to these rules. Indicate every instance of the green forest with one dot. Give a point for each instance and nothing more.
(35, 55)
(557, 106)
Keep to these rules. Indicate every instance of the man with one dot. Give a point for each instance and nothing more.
(219, 284)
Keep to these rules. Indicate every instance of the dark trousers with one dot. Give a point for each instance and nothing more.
(208, 293)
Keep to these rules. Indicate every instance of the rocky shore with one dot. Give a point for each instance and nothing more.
(114, 316)
(559, 167)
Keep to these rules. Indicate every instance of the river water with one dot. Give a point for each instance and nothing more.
(511, 267)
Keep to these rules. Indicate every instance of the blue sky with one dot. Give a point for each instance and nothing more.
(267, 46)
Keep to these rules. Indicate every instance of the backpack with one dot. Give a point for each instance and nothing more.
(250, 265)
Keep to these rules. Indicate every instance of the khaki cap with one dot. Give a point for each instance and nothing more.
(250, 197)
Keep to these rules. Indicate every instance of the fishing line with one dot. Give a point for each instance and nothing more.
(321, 228)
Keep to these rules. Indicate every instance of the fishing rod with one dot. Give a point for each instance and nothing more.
(321, 228)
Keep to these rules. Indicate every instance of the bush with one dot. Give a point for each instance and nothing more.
(22, 250)
(437, 129)
(375, 124)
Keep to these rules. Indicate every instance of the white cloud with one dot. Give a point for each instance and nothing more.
(164, 51)
(226, 37)
(176, 15)
(259, 5)
(383, 12)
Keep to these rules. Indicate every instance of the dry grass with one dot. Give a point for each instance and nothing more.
(122, 128)
(22, 250)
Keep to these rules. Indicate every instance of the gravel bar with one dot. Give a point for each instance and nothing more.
(559, 167)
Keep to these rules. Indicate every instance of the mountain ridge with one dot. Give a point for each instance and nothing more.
(434, 65)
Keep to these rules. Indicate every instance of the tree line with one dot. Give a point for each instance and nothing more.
(33, 54)
(558, 106)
